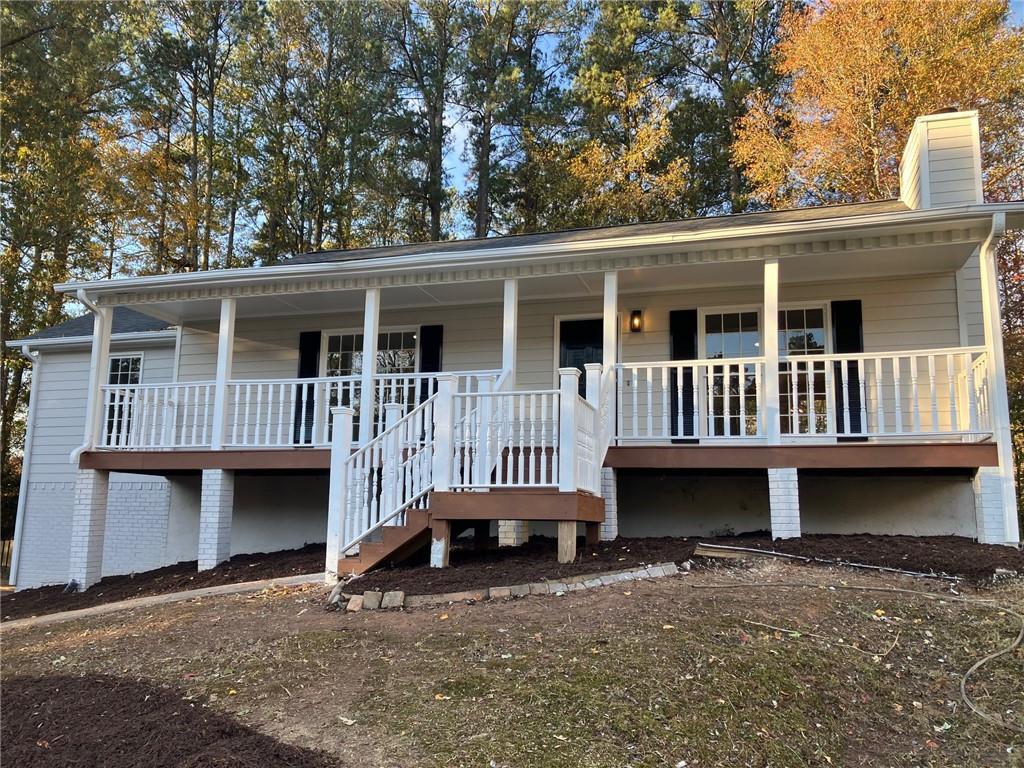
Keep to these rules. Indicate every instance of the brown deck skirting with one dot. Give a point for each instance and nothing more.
(178, 461)
(532, 504)
(842, 456)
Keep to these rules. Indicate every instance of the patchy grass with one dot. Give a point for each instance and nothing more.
(647, 674)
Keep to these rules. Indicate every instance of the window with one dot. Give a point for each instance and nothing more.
(802, 394)
(124, 371)
(733, 389)
(396, 353)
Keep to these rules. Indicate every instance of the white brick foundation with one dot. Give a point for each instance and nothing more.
(784, 498)
(88, 523)
(137, 520)
(512, 533)
(988, 506)
(610, 494)
(215, 509)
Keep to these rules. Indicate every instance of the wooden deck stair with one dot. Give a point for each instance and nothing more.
(397, 543)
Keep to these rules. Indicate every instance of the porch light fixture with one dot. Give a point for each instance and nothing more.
(636, 321)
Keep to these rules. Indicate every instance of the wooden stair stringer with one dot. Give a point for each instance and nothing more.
(397, 543)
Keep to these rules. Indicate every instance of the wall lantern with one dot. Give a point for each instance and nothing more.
(636, 321)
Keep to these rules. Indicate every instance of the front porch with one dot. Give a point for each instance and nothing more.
(866, 355)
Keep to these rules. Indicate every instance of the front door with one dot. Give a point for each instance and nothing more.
(580, 342)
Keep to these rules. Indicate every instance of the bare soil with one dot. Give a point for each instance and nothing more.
(724, 668)
(118, 722)
(537, 560)
(172, 578)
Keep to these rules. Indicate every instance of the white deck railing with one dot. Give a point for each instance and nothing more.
(154, 416)
(261, 413)
(690, 399)
(920, 393)
(390, 475)
(505, 439)
(914, 394)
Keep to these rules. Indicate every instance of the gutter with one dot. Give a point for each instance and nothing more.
(26, 455)
(137, 337)
(440, 260)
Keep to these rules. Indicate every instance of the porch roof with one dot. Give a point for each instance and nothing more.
(824, 242)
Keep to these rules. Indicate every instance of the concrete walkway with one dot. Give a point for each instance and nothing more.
(241, 588)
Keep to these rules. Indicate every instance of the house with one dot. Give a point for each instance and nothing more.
(831, 369)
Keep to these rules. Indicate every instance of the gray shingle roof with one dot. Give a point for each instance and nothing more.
(124, 321)
(680, 226)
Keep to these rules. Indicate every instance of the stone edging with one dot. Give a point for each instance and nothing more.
(373, 599)
(238, 588)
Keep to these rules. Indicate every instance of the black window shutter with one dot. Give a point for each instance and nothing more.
(309, 368)
(431, 342)
(847, 339)
(682, 329)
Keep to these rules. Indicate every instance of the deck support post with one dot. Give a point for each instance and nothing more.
(440, 540)
(770, 340)
(510, 330)
(566, 541)
(225, 354)
(367, 390)
(610, 494)
(1005, 505)
(216, 506)
(337, 519)
(88, 525)
(784, 501)
(569, 388)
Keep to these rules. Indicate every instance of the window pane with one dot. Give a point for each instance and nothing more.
(713, 324)
(333, 344)
(749, 344)
(749, 322)
(794, 318)
(782, 319)
(815, 318)
(347, 342)
(731, 322)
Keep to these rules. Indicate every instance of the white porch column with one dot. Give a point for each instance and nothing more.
(784, 499)
(770, 340)
(510, 330)
(99, 372)
(443, 423)
(225, 355)
(999, 404)
(88, 523)
(216, 505)
(337, 483)
(367, 390)
(610, 315)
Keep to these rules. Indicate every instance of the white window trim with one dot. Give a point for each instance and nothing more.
(327, 332)
(121, 355)
(702, 312)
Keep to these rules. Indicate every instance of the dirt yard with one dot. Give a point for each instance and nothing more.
(663, 673)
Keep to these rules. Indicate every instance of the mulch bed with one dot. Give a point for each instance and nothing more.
(536, 560)
(113, 722)
(172, 578)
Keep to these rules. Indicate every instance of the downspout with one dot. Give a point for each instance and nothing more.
(36, 360)
(87, 442)
(997, 371)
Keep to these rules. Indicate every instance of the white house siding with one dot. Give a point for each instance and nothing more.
(137, 508)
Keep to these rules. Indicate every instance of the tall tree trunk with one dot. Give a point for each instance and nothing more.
(212, 79)
(435, 170)
(483, 173)
(192, 232)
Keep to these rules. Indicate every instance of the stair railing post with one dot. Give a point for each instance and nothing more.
(443, 438)
(569, 388)
(337, 507)
(390, 460)
(594, 371)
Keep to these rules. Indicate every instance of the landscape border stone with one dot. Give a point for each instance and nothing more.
(373, 599)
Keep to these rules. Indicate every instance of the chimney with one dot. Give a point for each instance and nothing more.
(941, 163)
